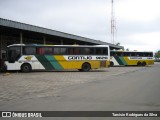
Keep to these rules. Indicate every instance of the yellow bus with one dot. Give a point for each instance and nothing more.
(126, 58)
(56, 57)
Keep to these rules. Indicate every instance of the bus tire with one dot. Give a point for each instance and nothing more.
(111, 64)
(139, 63)
(86, 67)
(26, 67)
(143, 63)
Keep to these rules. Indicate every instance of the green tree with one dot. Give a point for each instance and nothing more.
(157, 54)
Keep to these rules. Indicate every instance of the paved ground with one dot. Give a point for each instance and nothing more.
(41, 84)
(117, 88)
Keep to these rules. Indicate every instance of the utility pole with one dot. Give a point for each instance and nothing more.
(113, 23)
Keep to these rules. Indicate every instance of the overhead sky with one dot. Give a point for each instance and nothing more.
(137, 21)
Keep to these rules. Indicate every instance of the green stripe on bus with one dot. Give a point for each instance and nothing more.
(118, 60)
(54, 62)
(46, 64)
(123, 60)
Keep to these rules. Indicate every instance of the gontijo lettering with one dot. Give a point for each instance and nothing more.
(87, 58)
(79, 57)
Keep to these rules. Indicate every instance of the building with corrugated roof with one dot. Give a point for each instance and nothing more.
(12, 32)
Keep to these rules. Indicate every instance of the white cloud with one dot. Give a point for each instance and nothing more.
(137, 20)
(144, 41)
(138, 10)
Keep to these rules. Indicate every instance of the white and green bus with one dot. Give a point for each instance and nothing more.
(56, 57)
(127, 58)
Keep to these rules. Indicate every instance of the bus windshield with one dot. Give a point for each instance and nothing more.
(14, 53)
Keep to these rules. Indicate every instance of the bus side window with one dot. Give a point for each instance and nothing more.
(126, 54)
(98, 51)
(29, 51)
(115, 54)
(119, 54)
(133, 54)
(77, 51)
(63, 51)
(40, 51)
(92, 51)
(105, 51)
(70, 51)
(48, 51)
(86, 51)
(57, 51)
(151, 54)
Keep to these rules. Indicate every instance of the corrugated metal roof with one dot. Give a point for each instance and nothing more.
(27, 27)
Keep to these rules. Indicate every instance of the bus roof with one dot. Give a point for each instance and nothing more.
(39, 45)
(129, 51)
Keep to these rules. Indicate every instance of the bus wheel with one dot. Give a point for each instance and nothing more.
(26, 67)
(139, 63)
(143, 63)
(86, 67)
(111, 64)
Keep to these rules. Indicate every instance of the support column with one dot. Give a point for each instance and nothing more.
(44, 40)
(0, 46)
(75, 43)
(0, 50)
(21, 38)
(61, 42)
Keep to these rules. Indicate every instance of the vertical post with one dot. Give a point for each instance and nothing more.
(61, 42)
(113, 23)
(21, 40)
(0, 46)
(44, 40)
(0, 50)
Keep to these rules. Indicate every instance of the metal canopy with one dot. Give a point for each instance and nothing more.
(9, 24)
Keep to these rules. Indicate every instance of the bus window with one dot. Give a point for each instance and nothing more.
(29, 50)
(86, 51)
(119, 53)
(137, 54)
(48, 51)
(133, 54)
(148, 54)
(70, 51)
(98, 51)
(57, 51)
(126, 54)
(151, 54)
(40, 51)
(77, 51)
(63, 51)
(45, 50)
(92, 51)
(105, 51)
